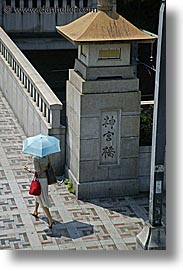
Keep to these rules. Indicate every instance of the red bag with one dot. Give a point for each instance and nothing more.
(35, 187)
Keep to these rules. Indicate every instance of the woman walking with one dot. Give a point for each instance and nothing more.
(41, 146)
(40, 166)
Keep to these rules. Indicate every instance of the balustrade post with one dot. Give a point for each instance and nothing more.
(37, 99)
(81, 3)
(64, 3)
(114, 5)
(30, 4)
(47, 4)
(4, 50)
(89, 3)
(93, 3)
(44, 109)
(72, 3)
(13, 64)
(31, 90)
(38, 3)
(21, 4)
(8, 57)
(55, 116)
(13, 3)
(34, 96)
(6, 54)
(17, 70)
(11, 60)
(29, 85)
(48, 115)
(23, 78)
(56, 3)
(20, 74)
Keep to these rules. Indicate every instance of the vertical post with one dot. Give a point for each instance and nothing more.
(38, 3)
(21, 4)
(13, 3)
(47, 4)
(64, 3)
(89, 3)
(56, 3)
(114, 2)
(72, 3)
(159, 129)
(81, 3)
(153, 234)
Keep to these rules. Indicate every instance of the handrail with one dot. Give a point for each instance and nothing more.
(38, 90)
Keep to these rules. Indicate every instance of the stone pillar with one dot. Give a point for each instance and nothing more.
(103, 121)
(103, 105)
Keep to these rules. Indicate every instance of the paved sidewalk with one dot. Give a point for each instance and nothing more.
(98, 224)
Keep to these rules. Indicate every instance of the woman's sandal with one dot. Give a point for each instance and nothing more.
(51, 225)
(35, 215)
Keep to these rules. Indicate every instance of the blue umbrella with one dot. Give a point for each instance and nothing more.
(41, 145)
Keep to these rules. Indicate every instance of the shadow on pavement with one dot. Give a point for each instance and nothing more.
(72, 230)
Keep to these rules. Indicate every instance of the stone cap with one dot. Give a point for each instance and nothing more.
(103, 26)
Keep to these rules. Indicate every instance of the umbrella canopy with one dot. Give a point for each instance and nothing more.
(41, 145)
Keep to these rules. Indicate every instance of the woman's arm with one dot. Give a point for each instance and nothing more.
(36, 167)
(28, 170)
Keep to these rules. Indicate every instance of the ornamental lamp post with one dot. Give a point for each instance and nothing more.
(103, 104)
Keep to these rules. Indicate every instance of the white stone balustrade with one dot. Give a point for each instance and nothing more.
(34, 104)
(49, 105)
(41, 16)
(50, 3)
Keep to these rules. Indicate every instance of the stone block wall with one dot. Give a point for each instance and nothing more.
(94, 120)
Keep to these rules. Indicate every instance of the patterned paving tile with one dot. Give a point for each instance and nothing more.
(14, 241)
(2, 174)
(10, 221)
(4, 188)
(97, 224)
(7, 204)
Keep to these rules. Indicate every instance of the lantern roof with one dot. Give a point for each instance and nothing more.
(103, 26)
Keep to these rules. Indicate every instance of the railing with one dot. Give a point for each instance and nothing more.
(35, 16)
(48, 3)
(37, 89)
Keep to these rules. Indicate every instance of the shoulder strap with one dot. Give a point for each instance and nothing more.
(49, 160)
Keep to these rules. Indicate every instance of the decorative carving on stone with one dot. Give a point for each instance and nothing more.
(110, 139)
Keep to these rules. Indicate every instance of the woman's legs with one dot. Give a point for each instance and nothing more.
(35, 213)
(47, 212)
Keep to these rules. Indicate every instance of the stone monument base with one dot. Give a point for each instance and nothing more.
(151, 238)
(101, 189)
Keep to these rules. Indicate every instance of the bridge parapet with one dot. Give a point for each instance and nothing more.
(33, 102)
(38, 90)
(41, 15)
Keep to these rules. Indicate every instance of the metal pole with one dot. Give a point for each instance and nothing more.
(153, 235)
(159, 127)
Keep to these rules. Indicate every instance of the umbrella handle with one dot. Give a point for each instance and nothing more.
(27, 169)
